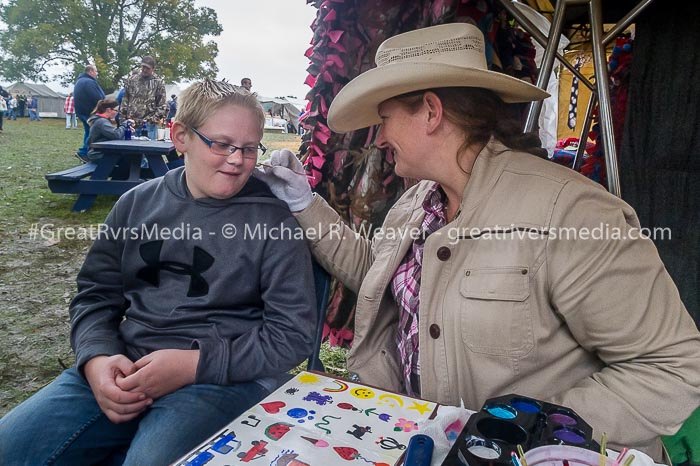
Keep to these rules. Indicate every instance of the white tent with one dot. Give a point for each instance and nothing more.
(282, 110)
(50, 101)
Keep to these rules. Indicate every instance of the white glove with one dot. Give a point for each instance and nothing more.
(284, 174)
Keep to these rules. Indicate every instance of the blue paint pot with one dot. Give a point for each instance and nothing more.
(525, 405)
(501, 411)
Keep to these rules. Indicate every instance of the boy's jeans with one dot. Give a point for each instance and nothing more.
(63, 425)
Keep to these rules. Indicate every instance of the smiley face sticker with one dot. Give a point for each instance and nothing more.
(363, 393)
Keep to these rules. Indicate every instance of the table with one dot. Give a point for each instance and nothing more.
(316, 419)
(116, 172)
(321, 420)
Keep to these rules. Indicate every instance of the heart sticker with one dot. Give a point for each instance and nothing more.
(273, 407)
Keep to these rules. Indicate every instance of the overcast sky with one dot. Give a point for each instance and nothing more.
(264, 40)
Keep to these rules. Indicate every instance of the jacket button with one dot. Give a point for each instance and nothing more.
(435, 331)
(444, 253)
(523, 271)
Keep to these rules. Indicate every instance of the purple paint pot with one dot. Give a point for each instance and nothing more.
(525, 405)
(561, 419)
(569, 436)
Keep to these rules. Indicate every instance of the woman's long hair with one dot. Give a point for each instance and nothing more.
(104, 104)
(480, 114)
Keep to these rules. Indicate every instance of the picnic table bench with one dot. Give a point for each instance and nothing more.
(116, 172)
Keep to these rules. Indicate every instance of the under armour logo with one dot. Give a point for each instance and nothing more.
(201, 261)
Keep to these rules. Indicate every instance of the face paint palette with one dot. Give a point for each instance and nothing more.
(507, 421)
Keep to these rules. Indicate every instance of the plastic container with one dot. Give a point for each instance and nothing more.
(555, 455)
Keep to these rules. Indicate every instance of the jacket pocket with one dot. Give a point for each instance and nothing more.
(495, 311)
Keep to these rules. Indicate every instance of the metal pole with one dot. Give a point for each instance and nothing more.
(533, 113)
(542, 40)
(578, 159)
(625, 21)
(601, 80)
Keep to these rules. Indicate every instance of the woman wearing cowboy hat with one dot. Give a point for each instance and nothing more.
(499, 272)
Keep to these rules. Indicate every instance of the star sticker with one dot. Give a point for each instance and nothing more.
(420, 407)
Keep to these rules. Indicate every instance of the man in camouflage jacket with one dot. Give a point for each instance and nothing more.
(144, 97)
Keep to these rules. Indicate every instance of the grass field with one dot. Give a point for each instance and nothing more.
(37, 276)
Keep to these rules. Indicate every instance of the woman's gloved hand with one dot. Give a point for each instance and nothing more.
(284, 174)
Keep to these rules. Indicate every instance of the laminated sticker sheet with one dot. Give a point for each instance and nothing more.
(317, 420)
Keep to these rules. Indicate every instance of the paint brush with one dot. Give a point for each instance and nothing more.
(622, 454)
(628, 461)
(263, 164)
(522, 455)
(603, 450)
(514, 459)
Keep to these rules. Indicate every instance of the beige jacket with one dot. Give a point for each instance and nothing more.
(595, 325)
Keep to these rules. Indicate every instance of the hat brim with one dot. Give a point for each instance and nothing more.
(356, 104)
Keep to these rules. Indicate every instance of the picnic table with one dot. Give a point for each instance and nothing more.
(116, 172)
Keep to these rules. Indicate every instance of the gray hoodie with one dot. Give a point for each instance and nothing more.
(163, 275)
(102, 129)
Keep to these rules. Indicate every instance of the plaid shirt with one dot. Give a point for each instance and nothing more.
(69, 106)
(405, 286)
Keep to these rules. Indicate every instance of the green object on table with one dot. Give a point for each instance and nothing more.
(684, 446)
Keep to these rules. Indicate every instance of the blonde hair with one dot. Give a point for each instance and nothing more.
(199, 101)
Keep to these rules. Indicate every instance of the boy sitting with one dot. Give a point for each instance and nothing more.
(186, 313)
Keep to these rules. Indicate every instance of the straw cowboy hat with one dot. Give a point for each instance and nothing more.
(449, 55)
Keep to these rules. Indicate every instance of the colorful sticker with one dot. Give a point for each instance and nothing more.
(251, 421)
(288, 458)
(405, 425)
(277, 430)
(316, 442)
(342, 386)
(319, 399)
(390, 443)
(273, 407)
(325, 422)
(390, 400)
(300, 413)
(359, 431)
(363, 393)
(258, 450)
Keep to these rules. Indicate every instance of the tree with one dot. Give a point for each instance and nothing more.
(112, 34)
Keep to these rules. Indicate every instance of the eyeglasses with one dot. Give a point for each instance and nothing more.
(223, 149)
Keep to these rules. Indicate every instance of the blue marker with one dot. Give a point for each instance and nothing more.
(420, 451)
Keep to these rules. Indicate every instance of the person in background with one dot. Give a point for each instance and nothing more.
(487, 277)
(12, 107)
(175, 337)
(3, 109)
(172, 108)
(21, 105)
(69, 110)
(247, 84)
(86, 93)
(301, 127)
(101, 126)
(4, 98)
(144, 98)
(34, 109)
